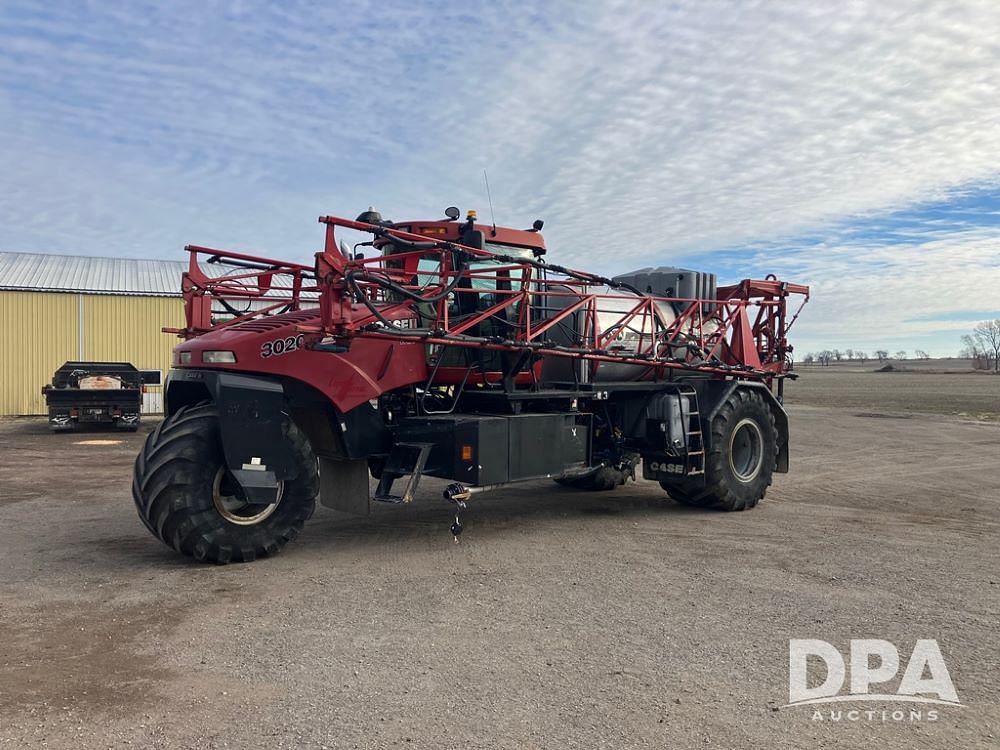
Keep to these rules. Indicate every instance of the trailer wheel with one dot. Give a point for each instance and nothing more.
(742, 454)
(188, 500)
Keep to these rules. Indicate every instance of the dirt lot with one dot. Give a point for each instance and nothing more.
(561, 619)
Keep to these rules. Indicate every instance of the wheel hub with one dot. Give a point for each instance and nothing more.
(232, 504)
(746, 450)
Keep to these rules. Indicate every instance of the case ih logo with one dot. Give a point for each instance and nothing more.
(863, 676)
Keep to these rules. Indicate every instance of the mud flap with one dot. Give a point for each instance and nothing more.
(343, 485)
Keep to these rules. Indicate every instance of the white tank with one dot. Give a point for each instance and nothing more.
(629, 339)
(626, 340)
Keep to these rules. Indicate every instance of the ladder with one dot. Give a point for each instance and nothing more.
(694, 459)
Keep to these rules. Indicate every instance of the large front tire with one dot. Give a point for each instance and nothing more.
(187, 499)
(742, 456)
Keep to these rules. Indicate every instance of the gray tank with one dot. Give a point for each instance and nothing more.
(667, 281)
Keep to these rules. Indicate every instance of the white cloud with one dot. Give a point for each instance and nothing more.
(716, 125)
(636, 130)
(869, 295)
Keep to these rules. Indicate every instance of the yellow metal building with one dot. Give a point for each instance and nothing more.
(57, 308)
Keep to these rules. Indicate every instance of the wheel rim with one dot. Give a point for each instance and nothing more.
(746, 450)
(231, 502)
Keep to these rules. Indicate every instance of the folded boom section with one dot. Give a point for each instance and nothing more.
(448, 294)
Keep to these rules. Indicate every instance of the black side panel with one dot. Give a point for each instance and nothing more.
(543, 445)
(485, 440)
(482, 450)
(363, 432)
(632, 413)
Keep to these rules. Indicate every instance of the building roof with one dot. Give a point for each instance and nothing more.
(76, 273)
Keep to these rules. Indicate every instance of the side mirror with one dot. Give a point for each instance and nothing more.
(473, 238)
(452, 213)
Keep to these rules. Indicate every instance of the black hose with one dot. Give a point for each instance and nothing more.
(419, 333)
(392, 286)
(581, 275)
(352, 277)
(414, 244)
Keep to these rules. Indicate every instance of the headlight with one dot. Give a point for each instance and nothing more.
(182, 358)
(218, 357)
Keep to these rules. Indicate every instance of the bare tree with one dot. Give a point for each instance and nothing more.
(921, 354)
(901, 354)
(808, 359)
(862, 356)
(881, 354)
(987, 335)
(824, 357)
(849, 353)
(971, 350)
(838, 355)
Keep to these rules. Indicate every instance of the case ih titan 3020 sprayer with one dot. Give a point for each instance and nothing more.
(454, 351)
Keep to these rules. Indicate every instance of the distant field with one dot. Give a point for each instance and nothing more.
(944, 364)
(931, 386)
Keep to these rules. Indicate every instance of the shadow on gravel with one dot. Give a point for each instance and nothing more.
(488, 519)
(512, 511)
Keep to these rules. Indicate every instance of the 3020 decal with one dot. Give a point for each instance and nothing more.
(277, 347)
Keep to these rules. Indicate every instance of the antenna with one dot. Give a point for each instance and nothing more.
(489, 197)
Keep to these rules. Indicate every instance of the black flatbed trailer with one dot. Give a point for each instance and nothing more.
(108, 393)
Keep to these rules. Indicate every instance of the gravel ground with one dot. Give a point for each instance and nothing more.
(561, 619)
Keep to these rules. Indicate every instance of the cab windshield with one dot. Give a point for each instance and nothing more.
(484, 291)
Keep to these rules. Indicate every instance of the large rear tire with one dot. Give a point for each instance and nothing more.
(186, 497)
(743, 452)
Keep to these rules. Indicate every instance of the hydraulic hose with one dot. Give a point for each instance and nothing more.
(352, 278)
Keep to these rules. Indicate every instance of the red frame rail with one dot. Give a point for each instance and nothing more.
(741, 333)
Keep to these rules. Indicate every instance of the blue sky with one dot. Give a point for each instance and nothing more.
(852, 147)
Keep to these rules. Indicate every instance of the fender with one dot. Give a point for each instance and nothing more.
(253, 421)
(713, 393)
